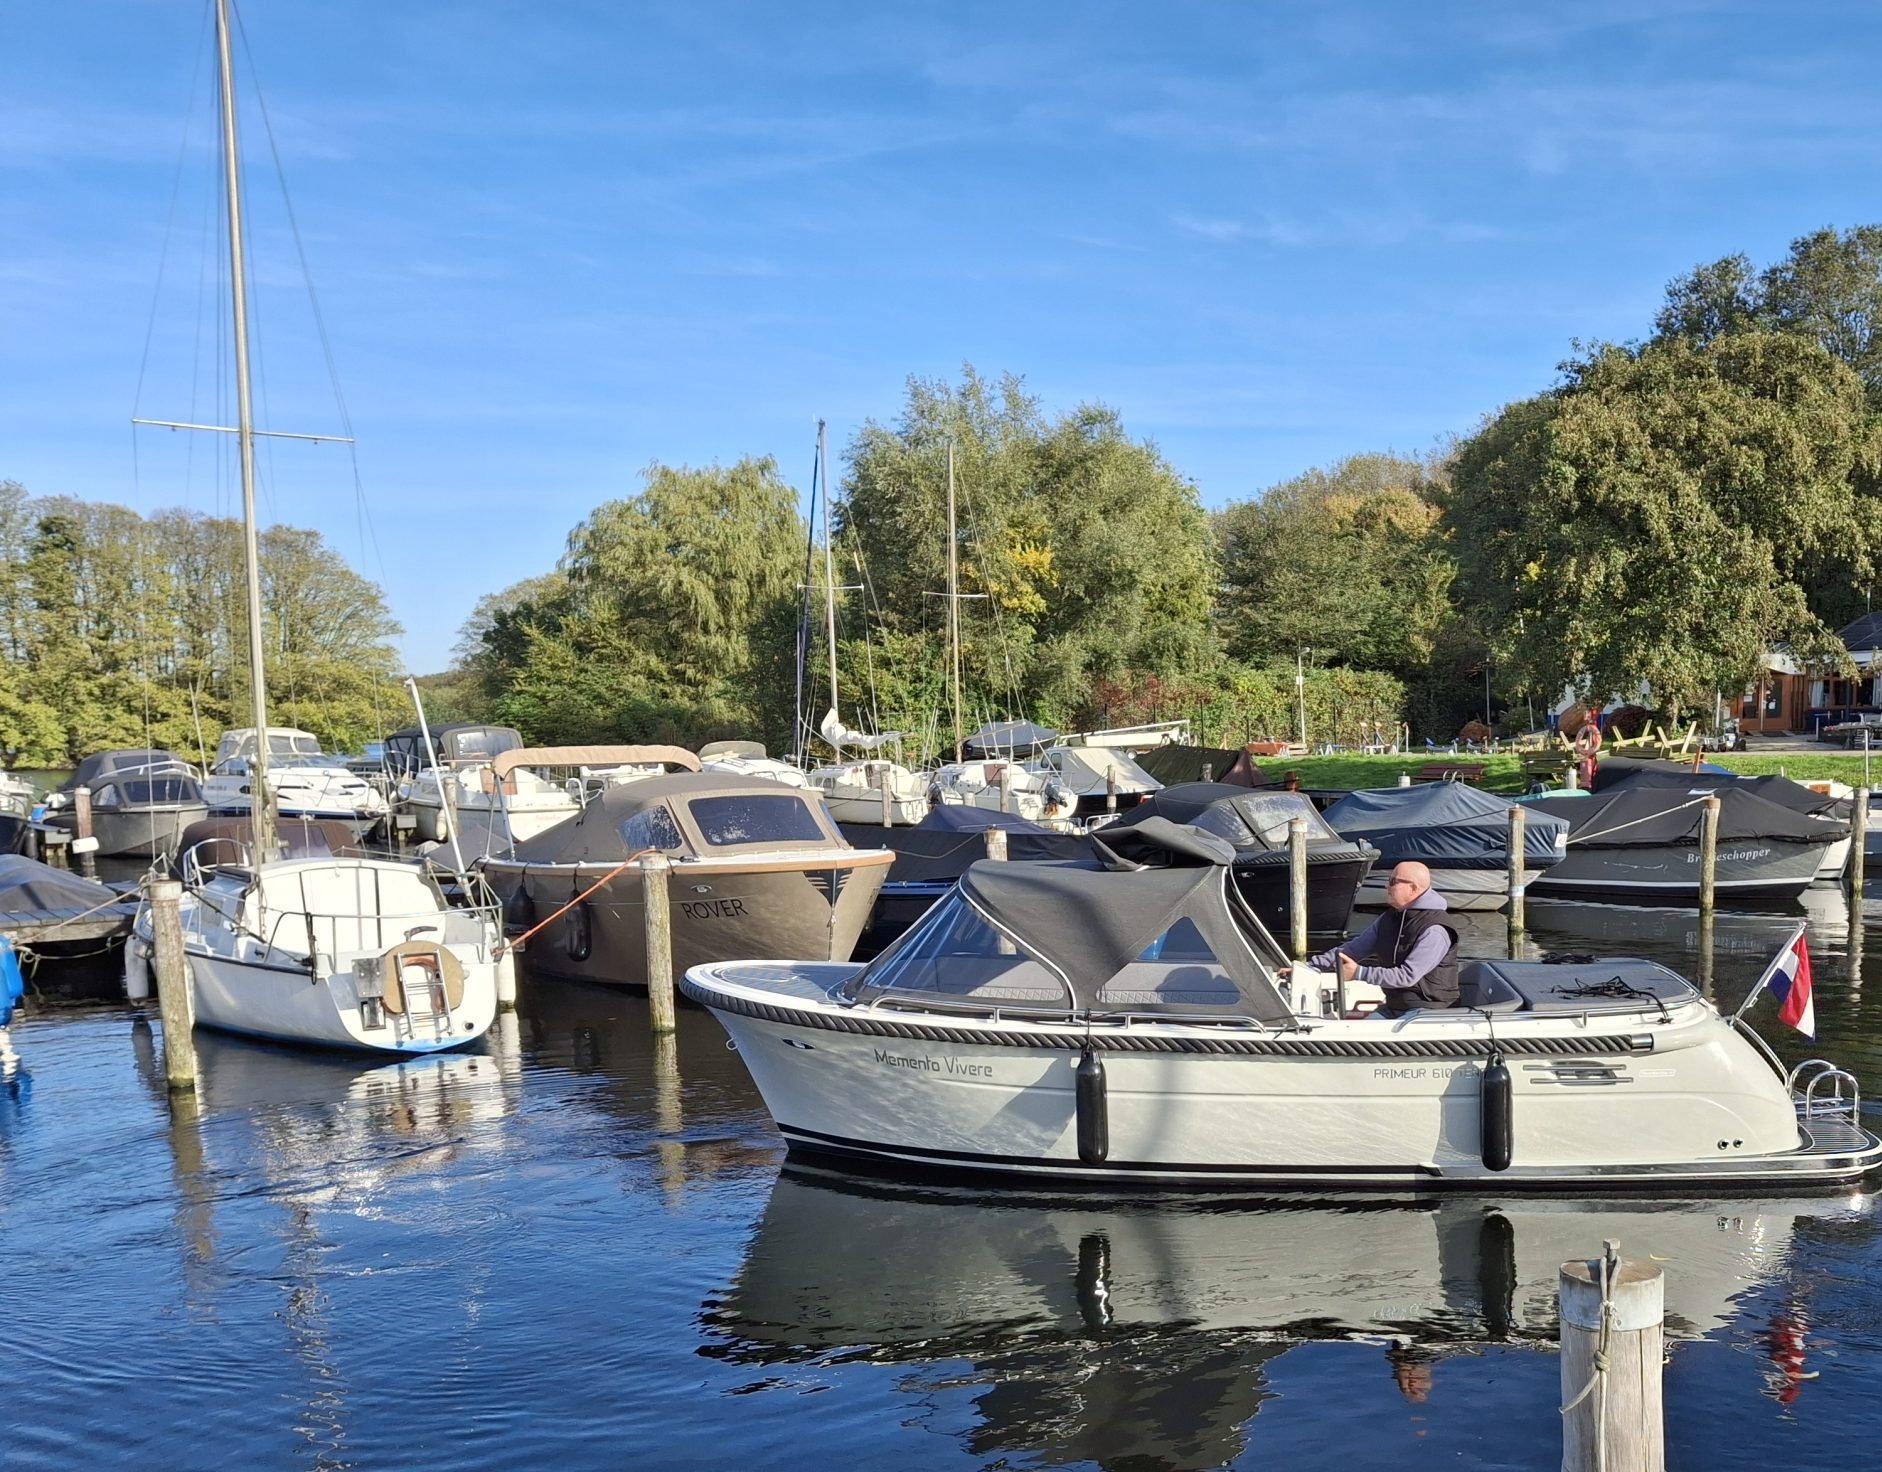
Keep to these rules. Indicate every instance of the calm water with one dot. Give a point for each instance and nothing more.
(572, 1250)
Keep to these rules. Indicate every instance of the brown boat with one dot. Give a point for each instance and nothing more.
(759, 870)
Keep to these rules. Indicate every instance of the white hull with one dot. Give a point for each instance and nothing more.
(1835, 860)
(1629, 1100)
(263, 968)
(484, 830)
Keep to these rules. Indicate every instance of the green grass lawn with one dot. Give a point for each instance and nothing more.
(1504, 773)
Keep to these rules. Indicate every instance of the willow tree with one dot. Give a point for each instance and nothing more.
(1086, 554)
(670, 617)
(1663, 515)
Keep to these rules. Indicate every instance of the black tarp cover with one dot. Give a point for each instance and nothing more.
(1648, 816)
(102, 766)
(1446, 824)
(940, 847)
(1173, 764)
(1617, 776)
(1248, 820)
(28, 887)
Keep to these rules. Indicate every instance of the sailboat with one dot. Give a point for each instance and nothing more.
(867, 788)
(307, 945)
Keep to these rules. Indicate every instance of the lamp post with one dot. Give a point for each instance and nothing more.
(1300, 689)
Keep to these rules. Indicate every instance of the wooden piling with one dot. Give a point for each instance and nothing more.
(1519, 853)
(1006, 788)
(1705, 955)
(1858, 837)
(1612, 1348)
(1297, 885)
(1708, 851)
(1110, 789)
(659, 916)
(83, 843)
(888, 799)
(996, 843)
(175, 1003)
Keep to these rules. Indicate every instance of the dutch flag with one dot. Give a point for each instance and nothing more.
(1788, 976)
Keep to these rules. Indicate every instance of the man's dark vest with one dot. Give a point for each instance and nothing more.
(1398, 933)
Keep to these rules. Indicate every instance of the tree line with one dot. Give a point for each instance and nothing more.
(1667, 512)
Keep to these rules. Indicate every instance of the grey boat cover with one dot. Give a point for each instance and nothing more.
(1086, 925)
(103, 766)
(220, 841)
(1009, 738)
(1253, 823)
(30, 888)
(1617, 775)
(939, 848)
(658, 812)
(1171, 765)
(1651, 816)
(1445, 824)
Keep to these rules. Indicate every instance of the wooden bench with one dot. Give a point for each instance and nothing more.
(1451, 772)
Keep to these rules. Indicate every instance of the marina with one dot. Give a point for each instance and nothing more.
(582, 1224)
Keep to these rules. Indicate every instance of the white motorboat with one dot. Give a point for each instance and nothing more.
(141, 801)
(1100, 778)
(512, 794)
(749, 759)
(312, 945)
(853, 791)
(1073, 1022)
(1461, 834)
(304, 781)
(1004, 786)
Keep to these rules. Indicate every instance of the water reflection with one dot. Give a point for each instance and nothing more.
(1141, 1331)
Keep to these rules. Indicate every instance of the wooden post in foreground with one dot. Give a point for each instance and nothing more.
(1708, 851)
(888, 798)
(1110, 789)
(175, 1004)
(1519, 841)
(996, 843)
(1006, 788)
(1297, 885)
(1858, 836)
(659, 915)
(1612, 1418)
(83, 844)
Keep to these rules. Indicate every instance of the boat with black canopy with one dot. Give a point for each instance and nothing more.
(1830, 802)
(141, 801)
(1127, 1021)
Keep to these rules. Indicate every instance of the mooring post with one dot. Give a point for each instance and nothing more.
(1006, 788)
(1519, 852)
(996, 843)
(1706, 918)
(83, 844)
(1110, 789)
(659, 913)
(1297, 885)
(1612, 1348)
(888, 801)
(174, 1003)
(1858, 837)
(1708, 850)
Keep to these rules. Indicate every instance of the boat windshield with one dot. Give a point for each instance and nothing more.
(1267, 815)
(744, 818)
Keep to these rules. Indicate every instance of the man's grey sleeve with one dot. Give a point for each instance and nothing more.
(1427, 953)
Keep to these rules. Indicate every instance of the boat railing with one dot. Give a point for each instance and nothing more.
(327, 937)
(1842, 1102)
(1065, 1017)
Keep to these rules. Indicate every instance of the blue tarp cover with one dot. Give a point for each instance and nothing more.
(12, 983)
(1446, 824)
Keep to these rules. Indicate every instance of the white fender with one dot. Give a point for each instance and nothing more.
(136, 971)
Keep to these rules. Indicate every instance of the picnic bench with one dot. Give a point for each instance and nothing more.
(1451, 772)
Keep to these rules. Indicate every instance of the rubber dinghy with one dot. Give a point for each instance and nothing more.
(1121, 1023)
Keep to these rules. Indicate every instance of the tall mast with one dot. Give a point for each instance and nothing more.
(954, 608)
(261, 808)
(829, 573)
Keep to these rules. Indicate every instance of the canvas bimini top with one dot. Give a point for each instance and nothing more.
(687, 814)
(1081, 939)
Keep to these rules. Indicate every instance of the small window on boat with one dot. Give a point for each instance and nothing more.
(105, 797)
(955, 954)
(652, 828)
(756, 818)
(152, 790)
(1177, 969)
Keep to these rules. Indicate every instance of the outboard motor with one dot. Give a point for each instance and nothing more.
(1494, 1103)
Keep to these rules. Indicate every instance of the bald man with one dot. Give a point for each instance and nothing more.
(1408, 952)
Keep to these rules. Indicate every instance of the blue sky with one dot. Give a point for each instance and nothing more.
(554, 243)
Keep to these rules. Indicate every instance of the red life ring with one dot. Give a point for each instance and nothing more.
(1588, 740)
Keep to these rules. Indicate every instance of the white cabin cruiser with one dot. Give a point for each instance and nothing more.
(1007, 787)
(1128, 1024)
(305, 781)
(853, 791)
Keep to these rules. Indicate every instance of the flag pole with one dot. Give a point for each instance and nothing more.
(1758, 986)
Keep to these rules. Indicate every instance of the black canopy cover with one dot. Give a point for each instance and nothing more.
(1619, 774)
(1644, 816)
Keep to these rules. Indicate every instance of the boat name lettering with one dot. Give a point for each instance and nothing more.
(956, 1066)
(1735, 855)
(1433, 1070)
(711, 909)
